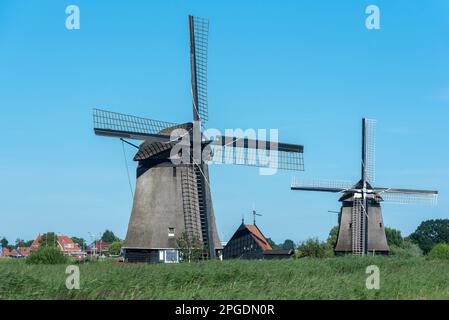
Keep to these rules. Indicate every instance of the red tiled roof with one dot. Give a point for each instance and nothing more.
(24, 251)
(65, 244)
(14, 253)
(5, 252)
(259, 237)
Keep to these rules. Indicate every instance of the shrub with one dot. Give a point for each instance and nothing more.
(431, 232)
(46, 255)
(408, 249)
(115, 248)
(313, 248)
(439, 251)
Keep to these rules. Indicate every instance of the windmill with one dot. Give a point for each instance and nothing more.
(172, 193)
(361, 228)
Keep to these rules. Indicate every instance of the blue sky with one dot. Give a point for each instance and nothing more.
(309, 68)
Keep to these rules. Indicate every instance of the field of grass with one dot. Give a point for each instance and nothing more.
(333, 278)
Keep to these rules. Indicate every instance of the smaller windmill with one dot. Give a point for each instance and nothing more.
(361, 228)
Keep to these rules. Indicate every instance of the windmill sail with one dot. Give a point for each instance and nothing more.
(257, 153)
(369, 150)
(199, 32)
(321, 185)
(113, 124)
(408, 196)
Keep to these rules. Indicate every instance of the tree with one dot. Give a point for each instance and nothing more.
(272, 244)
(313, 248)
(46, 255)
(28, 243)
(190, 248)
(115, 248)
(80, 242)
(431, 232)
(394, 237)
(20, 243)
(333, 235)
(49, 239)
(109, 237)
(4, 243)
(408, 249)
(439, 251)
(288, 245)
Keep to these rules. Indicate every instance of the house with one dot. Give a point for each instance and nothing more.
(100, 247)
(15, 254)
(248, 242)
(5, 252)
(23, 251)
(65, 245)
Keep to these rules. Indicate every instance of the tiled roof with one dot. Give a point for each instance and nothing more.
(6, 252)
(65, 244)
(24, 251)
(259, 237)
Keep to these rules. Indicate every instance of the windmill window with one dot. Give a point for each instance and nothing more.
(171, 232)
(380, 224)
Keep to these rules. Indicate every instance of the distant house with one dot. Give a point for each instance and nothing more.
(5, 252)
(23, 251)
(65, 245)
(248, 242)
(101, 248)
(15, 254)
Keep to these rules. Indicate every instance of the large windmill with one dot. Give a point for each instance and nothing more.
(172, 193)
(361, 228)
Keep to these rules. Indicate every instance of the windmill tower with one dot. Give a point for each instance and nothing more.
(172, 193)
(361, 227)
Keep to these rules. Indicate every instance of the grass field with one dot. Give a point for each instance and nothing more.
(333, 278)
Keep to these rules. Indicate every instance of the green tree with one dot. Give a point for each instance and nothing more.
(82, 244)
(109, 237)
(408, 249)
(288, 245)
(19, 243)
(333, 235)
(115, 248)
(28, 243)
(190, 248)
(272, 244)
(49, 239)
(46, 255)
(313, 248)
(4, 242)
(394, 237)
(439, 251)
(431, 232)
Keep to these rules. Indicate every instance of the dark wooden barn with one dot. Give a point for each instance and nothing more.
(248, 242)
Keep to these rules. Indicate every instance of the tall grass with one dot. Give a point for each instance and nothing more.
(332, 278)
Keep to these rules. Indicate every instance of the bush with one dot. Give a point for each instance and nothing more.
(439, 251)
(115, 248)
(313, 248)
(430, 233)
(46, 255)
(408, 249)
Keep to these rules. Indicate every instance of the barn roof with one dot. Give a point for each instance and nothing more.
(259, 237)
(255, 233)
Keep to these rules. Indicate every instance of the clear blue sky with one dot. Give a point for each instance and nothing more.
(309, 68)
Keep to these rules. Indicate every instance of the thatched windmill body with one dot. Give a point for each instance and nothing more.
(172, 193)
(361, 226)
